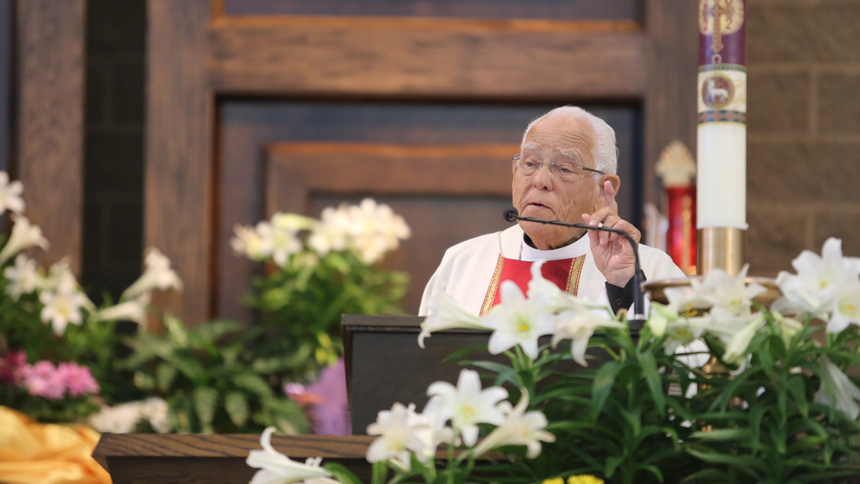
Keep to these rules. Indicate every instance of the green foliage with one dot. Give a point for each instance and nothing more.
(300, 307)
(212, 379)
(764, 423)
(626, 418)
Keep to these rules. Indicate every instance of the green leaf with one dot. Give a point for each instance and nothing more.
(237, 407)
(707, 475)
(192, 369)
(743, 463)
(216, 329)
(144, 381)
(718, 435)
(270, 365)
(807, 442)
(380, 469)
(253, 383)
(652, 377)
(164, 375)
(757, 414)
(341, 473)
(205, 402)
(176, 330)
(612, 463)
(603, 381)
(653, 470)
(505, 373)
(461, 353)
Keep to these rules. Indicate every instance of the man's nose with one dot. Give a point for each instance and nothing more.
(543, 177)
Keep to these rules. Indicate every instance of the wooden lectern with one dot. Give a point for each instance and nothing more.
(207, 459)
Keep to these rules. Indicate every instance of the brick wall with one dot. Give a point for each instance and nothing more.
(803, 151)
(113, 166)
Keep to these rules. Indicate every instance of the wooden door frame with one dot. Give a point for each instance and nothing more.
(196, 54)
(48, 70)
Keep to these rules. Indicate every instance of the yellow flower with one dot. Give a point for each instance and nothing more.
(554, 480)
(584, 479)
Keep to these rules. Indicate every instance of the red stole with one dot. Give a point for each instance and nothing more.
(564, 273)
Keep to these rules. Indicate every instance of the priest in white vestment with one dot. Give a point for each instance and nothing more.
(566, 171)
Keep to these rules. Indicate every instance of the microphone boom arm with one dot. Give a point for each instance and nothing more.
(638, 275)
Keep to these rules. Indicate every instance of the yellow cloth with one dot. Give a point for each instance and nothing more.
(34, 453)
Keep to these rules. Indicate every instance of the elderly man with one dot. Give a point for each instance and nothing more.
(565, 171)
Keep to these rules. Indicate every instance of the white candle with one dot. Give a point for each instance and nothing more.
(721, 179)
(721, 148)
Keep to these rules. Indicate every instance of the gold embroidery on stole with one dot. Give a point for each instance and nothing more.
(494, 286)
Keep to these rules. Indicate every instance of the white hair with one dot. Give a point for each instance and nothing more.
(603, 150)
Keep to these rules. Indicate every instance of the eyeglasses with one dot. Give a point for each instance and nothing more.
(566, 171)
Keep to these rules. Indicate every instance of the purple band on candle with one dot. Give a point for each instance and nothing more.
(722, 32)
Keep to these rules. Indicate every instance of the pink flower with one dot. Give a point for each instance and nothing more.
(43, 380)
(78, 379)
(10, 365)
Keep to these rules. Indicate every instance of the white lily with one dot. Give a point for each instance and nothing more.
(578, 325)
(837, 388)
(551, 299)
(129, 310)
(738, 344)
(517, 321)
(284, 241)
(276, 468)
(249, 243)
(682, 333)
(467, 404)
(24, 277)
(519, 428)
(331, 232)
(156, 275)
(10, 194)
(444, 313)
(60, 277)
(375, 229)
(788, 327)
(689, 301)
(430, 429)
(543, 292)
(845, 308)
(818, 280)
(63, 306)
(292, 221)
(659, 317)
(400, 431)
(24, 235)
(730, 296)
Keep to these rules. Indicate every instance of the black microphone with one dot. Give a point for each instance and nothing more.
(511, 215)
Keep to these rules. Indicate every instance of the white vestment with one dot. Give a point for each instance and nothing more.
(467, 268)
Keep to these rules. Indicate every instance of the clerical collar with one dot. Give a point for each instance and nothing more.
(575, 249)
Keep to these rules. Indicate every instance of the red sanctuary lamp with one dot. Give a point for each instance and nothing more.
(677, 170)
